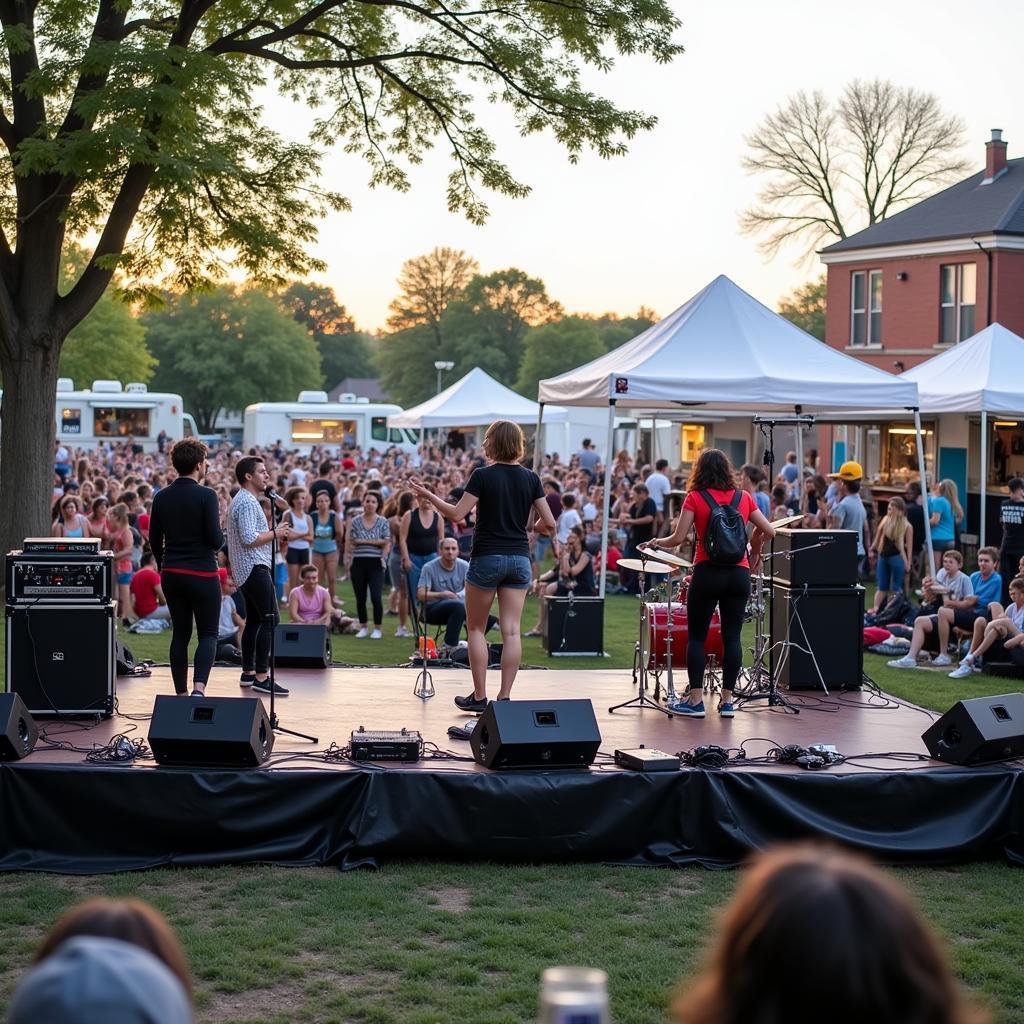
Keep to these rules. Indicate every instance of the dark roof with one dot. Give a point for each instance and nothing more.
(361, 387)
(960, 211)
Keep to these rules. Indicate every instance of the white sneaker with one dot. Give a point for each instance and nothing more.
(942, 659)
(362, 634)
(905, 662)
(402, 631)
(963, 670)
(376, 635)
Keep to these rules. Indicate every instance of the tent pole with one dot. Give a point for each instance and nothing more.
(799, 453)
(984, 476)
(924, 494)
(536, 438)
(607, 503)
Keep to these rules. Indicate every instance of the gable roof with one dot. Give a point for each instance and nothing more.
(960, 211)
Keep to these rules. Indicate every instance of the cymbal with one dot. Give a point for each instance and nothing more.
(639, 565)
(668, 558)
(788, 521)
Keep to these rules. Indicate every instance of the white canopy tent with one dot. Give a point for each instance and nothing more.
(983, 374)
(472, 401)
(725, 350)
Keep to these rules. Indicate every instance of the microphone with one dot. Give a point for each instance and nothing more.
(272, 494)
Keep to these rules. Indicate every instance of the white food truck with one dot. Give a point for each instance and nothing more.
(313, 420)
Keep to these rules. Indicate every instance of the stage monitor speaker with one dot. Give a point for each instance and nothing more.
(827, 622)
(536, 734)
(575, 626)
(798, 561)
(302, 646)
(60, 658)
(219, 732)
(18, 732)
(978, 730)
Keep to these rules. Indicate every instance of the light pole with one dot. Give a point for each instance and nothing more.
(442, 366)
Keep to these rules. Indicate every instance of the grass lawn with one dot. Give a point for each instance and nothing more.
(420, 943)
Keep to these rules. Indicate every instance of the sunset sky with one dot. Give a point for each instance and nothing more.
(655, 226)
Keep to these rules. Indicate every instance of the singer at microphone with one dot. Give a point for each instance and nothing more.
(251, 541)
(276, 498)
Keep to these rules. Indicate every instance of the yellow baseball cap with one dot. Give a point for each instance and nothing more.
(848, 471)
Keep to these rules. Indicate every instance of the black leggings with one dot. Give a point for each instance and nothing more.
(367, 573)
(188, 597)
(728, 587)
(261, 619)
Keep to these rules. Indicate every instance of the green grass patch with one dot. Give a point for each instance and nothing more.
(440, 942)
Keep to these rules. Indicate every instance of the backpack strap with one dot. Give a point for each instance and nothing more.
(736, 495)
(709, 499)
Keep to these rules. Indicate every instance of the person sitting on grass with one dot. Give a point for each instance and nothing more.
(973, 618)
(311, 605)
(875, 957)
(953, 590)
(1008, 628)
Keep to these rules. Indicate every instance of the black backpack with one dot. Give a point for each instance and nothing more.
(725, 540)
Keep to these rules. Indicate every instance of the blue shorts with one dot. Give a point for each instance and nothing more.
(124, 577)
(489, 572)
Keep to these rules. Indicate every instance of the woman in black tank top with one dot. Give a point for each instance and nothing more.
(419, 542)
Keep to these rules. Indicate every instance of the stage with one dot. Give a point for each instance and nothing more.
(61, 813)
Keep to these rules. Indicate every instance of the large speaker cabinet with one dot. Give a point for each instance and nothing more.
(575, 626)
(827, 621)
(814, 558)
(298, 645)
(536, 734)
(978, 730)
(60, 658)
(222, 732)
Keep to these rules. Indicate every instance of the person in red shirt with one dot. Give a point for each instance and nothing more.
(148, 601)
(727, 586)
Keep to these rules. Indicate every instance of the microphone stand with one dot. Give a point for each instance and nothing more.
(270, 621)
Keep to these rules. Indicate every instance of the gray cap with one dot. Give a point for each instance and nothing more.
(89, 980)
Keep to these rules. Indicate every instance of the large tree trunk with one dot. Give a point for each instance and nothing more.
(26, 439)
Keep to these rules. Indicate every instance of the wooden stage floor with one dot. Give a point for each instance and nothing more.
(330, 704)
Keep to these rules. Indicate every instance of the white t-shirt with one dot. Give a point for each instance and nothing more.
(297, 477)
(566, 521)
(658, 485)
(960, 586)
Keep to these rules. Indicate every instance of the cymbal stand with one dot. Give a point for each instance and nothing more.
(641, 700)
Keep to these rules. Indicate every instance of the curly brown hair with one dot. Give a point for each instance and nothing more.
(712, 469)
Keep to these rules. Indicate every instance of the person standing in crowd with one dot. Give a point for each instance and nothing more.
(1011, 547)
(726, 586)
(185, 535)
(328, 535)
(324, 483)
(893, 544)
(420, 531)
(367, 540)
(640, 526)
(589, 459)
(508, 499)
(658, 486)
(848, 513)
(98, 517)
(876, 959)
(302, 535)
(750, 480)
(915, 517)
(250, 544)
(943, 522)
(118, 538)
(70, 522)
(398, 599)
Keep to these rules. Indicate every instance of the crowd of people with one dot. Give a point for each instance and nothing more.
(874, 956)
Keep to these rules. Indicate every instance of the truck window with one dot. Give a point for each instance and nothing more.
(312, 431)
(111, 421)
(379, 428)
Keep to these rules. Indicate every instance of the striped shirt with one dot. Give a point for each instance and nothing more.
(379, 531)
(246, 521)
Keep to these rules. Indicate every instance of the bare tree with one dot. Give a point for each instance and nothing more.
(428, 284)
(835, 168)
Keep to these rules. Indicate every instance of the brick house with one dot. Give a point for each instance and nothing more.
(932, 275)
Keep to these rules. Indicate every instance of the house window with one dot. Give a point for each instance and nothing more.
(958, 288)
(866, 308)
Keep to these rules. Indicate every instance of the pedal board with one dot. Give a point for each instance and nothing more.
(405, 745)
(647, 759)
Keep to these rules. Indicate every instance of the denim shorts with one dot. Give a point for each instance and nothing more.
(124, 577)
(889, 572)
(489, 572)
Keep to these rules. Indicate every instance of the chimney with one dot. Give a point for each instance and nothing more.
(995, 156)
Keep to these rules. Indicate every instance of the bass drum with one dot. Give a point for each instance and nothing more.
(655, 633)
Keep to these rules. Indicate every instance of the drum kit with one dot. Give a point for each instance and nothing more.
(662, 644)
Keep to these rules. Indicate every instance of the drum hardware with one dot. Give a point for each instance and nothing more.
(644, 567)
(780, 524)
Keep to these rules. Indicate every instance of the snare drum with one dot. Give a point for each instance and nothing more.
(655, 634)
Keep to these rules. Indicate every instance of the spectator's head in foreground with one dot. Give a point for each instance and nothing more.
(814, 933)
